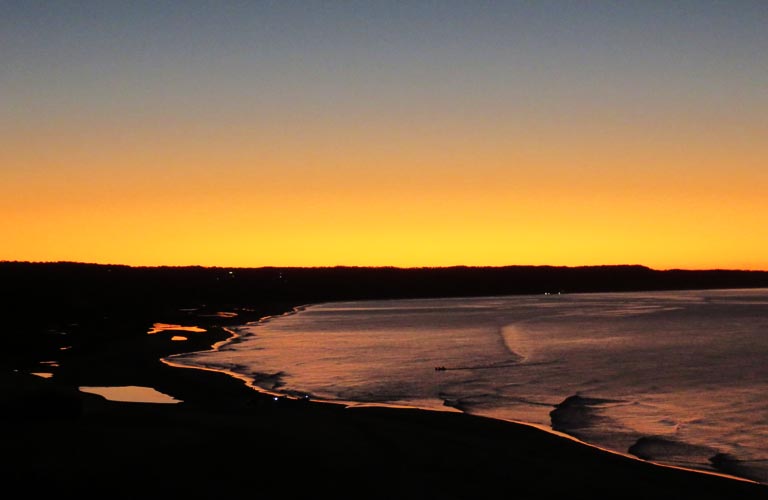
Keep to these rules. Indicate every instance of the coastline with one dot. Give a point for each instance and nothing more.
(225, 438)
(352, 405)
(233, 336)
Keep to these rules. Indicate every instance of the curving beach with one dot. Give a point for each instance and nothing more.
(59, 442)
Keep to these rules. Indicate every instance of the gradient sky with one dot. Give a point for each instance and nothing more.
(260, 133)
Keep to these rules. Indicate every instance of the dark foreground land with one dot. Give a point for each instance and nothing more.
(227, 441)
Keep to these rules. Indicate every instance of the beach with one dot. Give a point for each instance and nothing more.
(224, 439)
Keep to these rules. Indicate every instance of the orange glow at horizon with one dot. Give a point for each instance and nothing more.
(408, 217)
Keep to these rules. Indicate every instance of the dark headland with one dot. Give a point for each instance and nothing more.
(227, 441)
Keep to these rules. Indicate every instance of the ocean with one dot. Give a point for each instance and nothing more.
(677, 377)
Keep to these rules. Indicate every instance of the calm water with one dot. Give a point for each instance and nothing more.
(676, 377)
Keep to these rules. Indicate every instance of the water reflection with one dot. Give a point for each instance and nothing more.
(131, 393)
(161, 327)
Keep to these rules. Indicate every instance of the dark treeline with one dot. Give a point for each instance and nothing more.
(112, 300)
(65, 285)
(61, 288)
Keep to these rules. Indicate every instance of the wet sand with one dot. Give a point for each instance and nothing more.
(224, 440)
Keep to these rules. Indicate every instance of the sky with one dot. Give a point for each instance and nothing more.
(280, 133)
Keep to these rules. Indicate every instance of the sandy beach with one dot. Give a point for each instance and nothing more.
(226, 440)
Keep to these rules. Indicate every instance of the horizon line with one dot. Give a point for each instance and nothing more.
(344, 266)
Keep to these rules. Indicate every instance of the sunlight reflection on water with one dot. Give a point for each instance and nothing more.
(131, 393)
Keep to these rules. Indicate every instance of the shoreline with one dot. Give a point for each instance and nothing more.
(352, 405)
(233, 336)
(226, 438)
